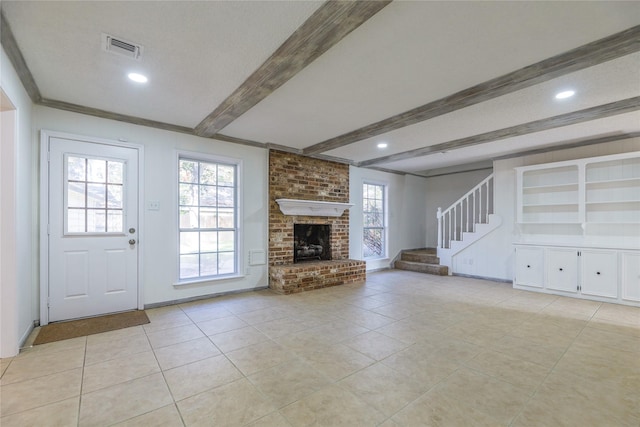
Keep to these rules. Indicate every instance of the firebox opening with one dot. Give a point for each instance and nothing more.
(311, 242)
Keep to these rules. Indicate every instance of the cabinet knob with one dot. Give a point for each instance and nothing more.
(598, 273)
(528, 266)
(560, 269)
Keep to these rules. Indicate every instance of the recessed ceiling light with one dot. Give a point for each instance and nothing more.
(383, 145)
(565, 94)
(138, 78)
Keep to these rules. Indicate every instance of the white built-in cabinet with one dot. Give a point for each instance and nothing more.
(599, 274)
(578, 228)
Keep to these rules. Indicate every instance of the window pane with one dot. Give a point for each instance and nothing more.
(188, 171)
(226, 241)
(188, 242)
(207, 195)
(207, 206)
(207, 174)
(226, 175)
(75, 195)
(189, 266)
(226, 218)
(208, 217)
(371, 191)
(372, 220)
(96, 220)
(188, 217)
(76, 168)
(75, 221)
(226, 263)
(114, 197)
(115, 175)
(209, 264)
(114, 221)
(371, 206)
(373, 244)
(208, 241)
(378, 192)
(225, 196)
(96, 196)
(188, 194)
(96, 170)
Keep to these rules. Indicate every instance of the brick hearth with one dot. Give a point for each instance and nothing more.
(297, 177)
(305, 276)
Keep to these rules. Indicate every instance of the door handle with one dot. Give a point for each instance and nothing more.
(132, 241)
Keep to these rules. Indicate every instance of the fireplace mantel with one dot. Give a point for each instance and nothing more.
(312, 207)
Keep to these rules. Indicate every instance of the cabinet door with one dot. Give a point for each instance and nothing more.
(561, 269)
(630, 275)
(600, 273)
(529, 267)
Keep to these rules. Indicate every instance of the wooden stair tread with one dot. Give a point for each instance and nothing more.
(437, 269)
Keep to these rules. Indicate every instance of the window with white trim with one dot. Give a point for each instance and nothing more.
(373, 209)
(208, 218)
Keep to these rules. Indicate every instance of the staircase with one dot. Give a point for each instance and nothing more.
(466, 221)
(422, 261)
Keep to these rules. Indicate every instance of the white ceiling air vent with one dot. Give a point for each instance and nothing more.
(121, 47)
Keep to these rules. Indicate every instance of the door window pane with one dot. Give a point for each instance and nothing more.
(92, 205)
(96, 221)
(76, 194)
(96, 170)
(114, 196)
(76, 221)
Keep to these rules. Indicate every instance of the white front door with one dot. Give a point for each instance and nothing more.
(93, 229)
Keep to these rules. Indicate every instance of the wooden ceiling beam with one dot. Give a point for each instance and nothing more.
(10, 46)
(110, 115)
(597, 52)
(325, 27)
(575, 117)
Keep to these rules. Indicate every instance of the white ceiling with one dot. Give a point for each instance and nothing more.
(196, 53)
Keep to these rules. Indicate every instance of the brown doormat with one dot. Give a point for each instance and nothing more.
(94, 325)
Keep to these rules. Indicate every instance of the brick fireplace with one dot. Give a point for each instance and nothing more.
(292, 176)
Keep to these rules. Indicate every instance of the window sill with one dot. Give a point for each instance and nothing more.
(383, 258)
(201, 280)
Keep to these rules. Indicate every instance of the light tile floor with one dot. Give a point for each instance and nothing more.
(403, 349)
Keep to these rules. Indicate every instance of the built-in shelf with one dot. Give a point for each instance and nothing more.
(548, 222)
(594, 196)
(614, 181)
(312, 207)
(551, 186)
(613, 202)
(529, 205)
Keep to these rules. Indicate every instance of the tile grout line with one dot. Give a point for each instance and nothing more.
(153, 350)
(84, 361)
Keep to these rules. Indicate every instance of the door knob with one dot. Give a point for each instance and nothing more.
(132, 241)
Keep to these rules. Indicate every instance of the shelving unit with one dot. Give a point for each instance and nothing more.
(612, 193)
(549, 195)
(586, 193)
(578, 228)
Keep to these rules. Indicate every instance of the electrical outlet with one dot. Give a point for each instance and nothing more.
(153, 206)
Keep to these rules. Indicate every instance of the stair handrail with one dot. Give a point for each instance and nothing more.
(441, 214)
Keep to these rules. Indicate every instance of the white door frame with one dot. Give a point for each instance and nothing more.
(45, 136)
